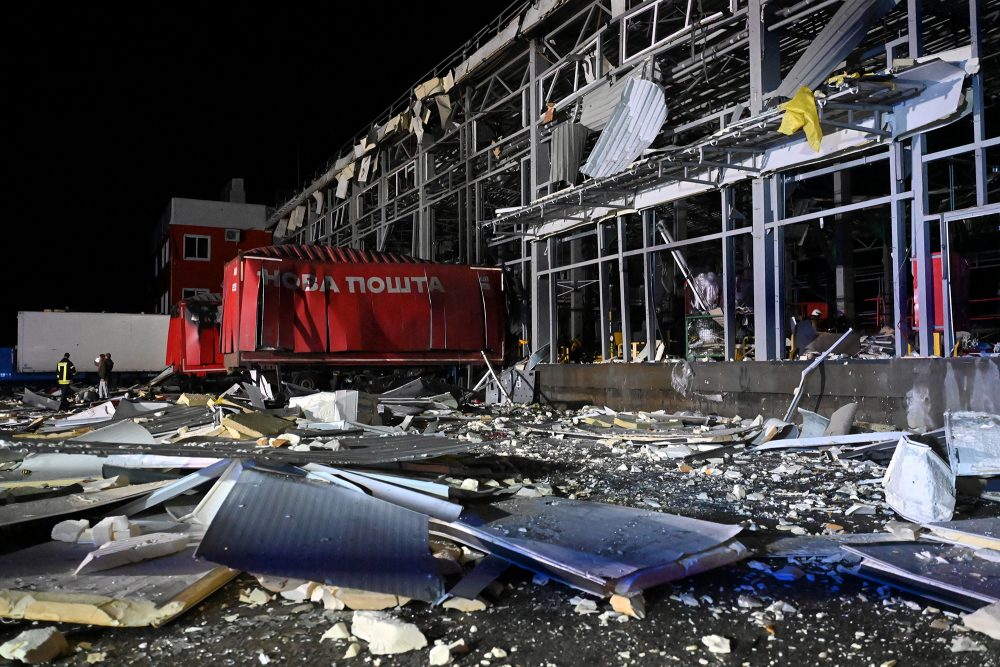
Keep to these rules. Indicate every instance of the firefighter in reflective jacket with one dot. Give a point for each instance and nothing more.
(65, 372)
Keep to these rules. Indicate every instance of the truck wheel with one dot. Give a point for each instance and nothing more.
(306, 379)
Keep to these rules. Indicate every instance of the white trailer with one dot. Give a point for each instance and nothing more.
(137, 343)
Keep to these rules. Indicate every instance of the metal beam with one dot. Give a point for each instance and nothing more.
(604, 298)
(624, 311)
(728, 276)
(763, 261)
(649, 282)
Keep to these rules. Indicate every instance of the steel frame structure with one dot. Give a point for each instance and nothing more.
(478, 188)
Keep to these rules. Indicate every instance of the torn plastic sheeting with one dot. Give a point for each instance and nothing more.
(973, 440)
(306, 529)
(397, 495)
(596, 547)
(123, 432)
(919, 486)
(801, 114)
(636, 121)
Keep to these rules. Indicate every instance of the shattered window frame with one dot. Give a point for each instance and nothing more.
(195, 256)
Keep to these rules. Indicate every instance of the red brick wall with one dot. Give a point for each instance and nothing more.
(206, 274)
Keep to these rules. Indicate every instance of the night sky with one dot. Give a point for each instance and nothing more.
(109, 114)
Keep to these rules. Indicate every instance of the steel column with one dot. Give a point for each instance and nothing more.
(604, 292)
(945, 305)
(764, 73)
(550, 285)
(777, 201)
(625, 314)
(978, 122)
(728, 276)
(921, 232)
(763, 262)
(900, 274)
(540, 311)
(649, 282)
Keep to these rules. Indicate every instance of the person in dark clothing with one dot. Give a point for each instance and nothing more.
(111, 366)
(65, 372)
(102, 374)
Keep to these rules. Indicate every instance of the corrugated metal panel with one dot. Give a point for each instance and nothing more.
(303, 529)
(633, 127)
(326, 253)
(599, 104)
(568, 140)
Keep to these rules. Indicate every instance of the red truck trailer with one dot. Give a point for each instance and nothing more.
(311, 309)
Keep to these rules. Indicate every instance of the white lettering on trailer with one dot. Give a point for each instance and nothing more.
(309, 282)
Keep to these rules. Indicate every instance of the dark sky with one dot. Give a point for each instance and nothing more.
(111, 113)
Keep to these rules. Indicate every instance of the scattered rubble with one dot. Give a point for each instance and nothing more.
(614, 511)
(35, 646)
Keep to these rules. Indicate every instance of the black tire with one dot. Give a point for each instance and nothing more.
(307, 379)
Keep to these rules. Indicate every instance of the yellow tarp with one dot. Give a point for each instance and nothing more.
(801, 114)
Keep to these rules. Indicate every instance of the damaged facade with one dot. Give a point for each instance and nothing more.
(674, 183)
(534, 149)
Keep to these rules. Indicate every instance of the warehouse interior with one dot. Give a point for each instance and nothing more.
(497, 158)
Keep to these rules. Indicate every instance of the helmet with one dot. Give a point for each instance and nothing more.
(816, 313)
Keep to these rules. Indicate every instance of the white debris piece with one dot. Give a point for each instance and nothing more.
(113, 528)
(985, 620)
(132, 550)
(338, 631)
(386, 634)
(352, 651)
(716, 643)
(440, 655)
(919, 486)
(35, 646)
(583, 605)
(963, 644)
(69, 530)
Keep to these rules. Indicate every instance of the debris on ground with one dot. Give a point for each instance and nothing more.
(375, 514)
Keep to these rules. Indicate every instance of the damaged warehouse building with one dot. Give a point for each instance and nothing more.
(742, 405)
